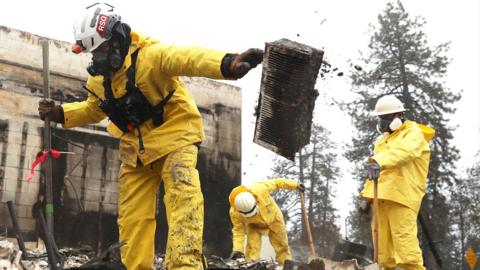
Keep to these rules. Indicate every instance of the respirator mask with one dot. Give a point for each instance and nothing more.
(109, 57)
(105, 61)
(389, 125)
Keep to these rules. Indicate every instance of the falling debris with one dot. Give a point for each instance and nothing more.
(327, 71)
(287, 96)
(357, 67)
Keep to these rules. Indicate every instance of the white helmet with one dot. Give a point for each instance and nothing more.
(246, 204)
(388, 104)
(94, 27)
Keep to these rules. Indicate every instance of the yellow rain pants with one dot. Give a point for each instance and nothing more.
(397, 237)
(277, 236)
(269, 220)
(183, 200)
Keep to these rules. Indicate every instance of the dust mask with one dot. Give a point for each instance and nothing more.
(386, 125)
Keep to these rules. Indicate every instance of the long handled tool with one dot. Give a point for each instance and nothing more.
(307, 225)
(47, 141)
(375, 221)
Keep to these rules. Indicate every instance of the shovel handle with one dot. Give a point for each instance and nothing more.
(307, 225)
(375, 221)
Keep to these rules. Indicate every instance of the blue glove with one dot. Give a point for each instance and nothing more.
(373, 171)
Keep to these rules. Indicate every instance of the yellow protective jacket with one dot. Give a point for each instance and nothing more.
(404, 156)
(157, 72)
(268, 210)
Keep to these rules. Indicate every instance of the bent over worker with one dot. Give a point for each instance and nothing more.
(254, 212)
(134, 81)
(400, 165)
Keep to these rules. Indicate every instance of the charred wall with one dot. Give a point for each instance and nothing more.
(85, 180)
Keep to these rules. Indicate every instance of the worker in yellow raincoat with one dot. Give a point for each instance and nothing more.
(254, 212)
(400, 165)
(135, 83)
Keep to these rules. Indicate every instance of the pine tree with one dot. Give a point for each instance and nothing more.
(401, 62)
(315, 166)
(466, 214)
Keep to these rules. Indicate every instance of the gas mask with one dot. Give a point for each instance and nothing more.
(387, 125)
(110, 60)
(104, 62)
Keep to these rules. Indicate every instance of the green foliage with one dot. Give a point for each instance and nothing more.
(315, 166)
(465, 212)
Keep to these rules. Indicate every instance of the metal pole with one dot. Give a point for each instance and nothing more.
(50, 245)
(47, 141)
(19, 237)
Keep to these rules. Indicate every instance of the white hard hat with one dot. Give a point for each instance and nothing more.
(246, 204)
(94, 27)
(388, 104)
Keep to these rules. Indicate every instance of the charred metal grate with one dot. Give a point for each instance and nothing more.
(287, 96)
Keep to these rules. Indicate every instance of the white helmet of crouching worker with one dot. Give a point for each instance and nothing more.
(94, 27)
(246, 204)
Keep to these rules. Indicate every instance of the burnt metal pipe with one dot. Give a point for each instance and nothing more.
(52, 251)
(13, 217)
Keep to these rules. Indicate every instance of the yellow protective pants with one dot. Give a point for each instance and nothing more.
(184, 206)
(278, 239)
(397, 237)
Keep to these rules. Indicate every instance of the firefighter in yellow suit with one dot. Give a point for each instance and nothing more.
(400, 165)
(254, 212)
(158, 124)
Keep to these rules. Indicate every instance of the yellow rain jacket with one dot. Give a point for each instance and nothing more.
(403, 156)
(268, 220)
(157, 71)
(168, 148)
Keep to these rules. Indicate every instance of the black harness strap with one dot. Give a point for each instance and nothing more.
(132, 109)
(131, 72)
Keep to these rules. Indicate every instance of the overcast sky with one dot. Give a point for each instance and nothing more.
(338, 27)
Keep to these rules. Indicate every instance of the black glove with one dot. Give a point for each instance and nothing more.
(244, 62)
(237, 255)
(373, 171)
(48, 107)
(301, 187)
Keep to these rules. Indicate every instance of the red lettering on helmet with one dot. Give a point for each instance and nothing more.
(102, 24)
